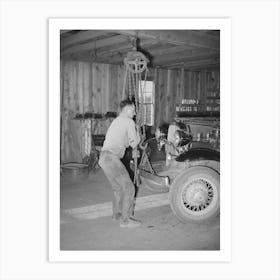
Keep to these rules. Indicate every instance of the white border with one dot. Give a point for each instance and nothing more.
(55, 25)
(24, 137)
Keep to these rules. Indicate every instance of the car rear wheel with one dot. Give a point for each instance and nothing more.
(195, 194)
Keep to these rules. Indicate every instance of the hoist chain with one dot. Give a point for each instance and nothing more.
(135, 64)
(135, 95)
(129, 85)
(136, 90)
(141, 113)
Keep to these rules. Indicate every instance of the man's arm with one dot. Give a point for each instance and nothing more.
(133, 135)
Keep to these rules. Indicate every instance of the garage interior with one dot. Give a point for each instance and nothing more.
(182, 84)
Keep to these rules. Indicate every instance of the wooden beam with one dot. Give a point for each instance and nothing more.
(207, 67)
(204, 67)
(113, 54)
(95, 45)
(117, 53)
(177, 37)
(183, 56)
(111, 58)
(82, 36)
(87, 57)
(191, 62)
(112, 49)
(123, 47)
(116, 58)
(182, 88)
(193, 65)
(170, 50)
(105, 52)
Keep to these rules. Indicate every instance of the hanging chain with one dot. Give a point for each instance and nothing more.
(134, 81)
(129, 85)
(135, 64)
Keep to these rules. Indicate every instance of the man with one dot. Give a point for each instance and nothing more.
(120, 135)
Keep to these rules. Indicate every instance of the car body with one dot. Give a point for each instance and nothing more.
(190, 173)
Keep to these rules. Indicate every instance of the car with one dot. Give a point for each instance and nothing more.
(190, 171)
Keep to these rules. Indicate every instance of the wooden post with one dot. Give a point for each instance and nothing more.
(61, 105)
(156, 98)
(124, 84)
(198, 91)
(203, 87)
(182, 82)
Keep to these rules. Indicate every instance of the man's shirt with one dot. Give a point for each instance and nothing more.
(121, 134)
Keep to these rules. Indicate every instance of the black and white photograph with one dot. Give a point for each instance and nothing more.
(140, 139)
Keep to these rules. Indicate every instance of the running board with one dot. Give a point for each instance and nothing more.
(154, 182)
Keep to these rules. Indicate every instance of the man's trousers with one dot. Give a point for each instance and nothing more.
(123, 188)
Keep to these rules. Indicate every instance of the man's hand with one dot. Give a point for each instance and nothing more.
(143, 137)
(138, 128)
(135, 153)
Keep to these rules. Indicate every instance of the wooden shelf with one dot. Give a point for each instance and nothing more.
(184, 114)
(194, 108)
(213, 97)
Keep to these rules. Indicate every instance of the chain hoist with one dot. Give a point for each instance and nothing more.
(135, 67)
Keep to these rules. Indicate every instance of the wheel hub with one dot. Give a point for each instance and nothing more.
(197, 195)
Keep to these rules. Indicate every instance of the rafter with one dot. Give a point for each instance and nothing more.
(193, 64)
(184, 56)
(123, 47)
(95, 44)
(83, 36)
(170, 50)
(177, 37)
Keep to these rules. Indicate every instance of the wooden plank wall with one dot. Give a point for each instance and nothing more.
(197, 84)
(86, 87)
(91, 87)
(171, 86)
(167, 94)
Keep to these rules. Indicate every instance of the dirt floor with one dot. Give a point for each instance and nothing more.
(86, 222)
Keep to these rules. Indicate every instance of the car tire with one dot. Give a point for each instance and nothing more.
(195, 195)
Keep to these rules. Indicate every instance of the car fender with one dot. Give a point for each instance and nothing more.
(198, 154)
